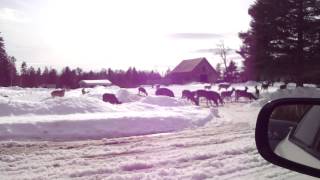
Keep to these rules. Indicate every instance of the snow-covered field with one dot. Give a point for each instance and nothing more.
(82, 137)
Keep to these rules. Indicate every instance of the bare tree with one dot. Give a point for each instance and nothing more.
(223, 51)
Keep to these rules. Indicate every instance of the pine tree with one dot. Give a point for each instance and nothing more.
(24, 74)
(5, 66)
(284, 38)
(13, 71)
(31, 78)
(231, 72)
(52, 77)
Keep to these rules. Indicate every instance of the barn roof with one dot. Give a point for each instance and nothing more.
(188, 65)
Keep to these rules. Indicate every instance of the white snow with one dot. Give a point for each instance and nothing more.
(194, 142)
(78, 116)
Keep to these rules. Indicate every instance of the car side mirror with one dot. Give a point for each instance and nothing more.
(288, 134)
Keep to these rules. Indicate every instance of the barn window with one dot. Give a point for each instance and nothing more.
(204, 69)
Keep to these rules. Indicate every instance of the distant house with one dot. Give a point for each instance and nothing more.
(93, 83)
(193, 70)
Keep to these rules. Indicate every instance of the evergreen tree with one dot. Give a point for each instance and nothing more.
(31, 78)
(5, 72)
(52, 77)
(24, 74)
(39, 80)
(13, 71)
(283, 38)
(45, 75)
(231, 73)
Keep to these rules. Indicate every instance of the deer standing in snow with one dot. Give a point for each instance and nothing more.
(227, 94)
(210, 96)
(190, 95)
(224, 86)
(110, 98)
(143, 91)
(265, 85)
(284, 86)
(257, 91)
(240, 93)
(58, 93)
(164, 92)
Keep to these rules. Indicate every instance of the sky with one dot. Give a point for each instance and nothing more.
(95, 34)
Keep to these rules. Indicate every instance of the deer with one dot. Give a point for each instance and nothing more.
(164, 92)
(58, 93)
(224, 86)
(265, 86)
(248, 95)
(190, 95)
(207, 87)
(4, 95)
(257, 91)
(227, 94)
(110, 98)
(284, 86)
(210, 96)
(84, 91)
(239, 93)
(143, 91)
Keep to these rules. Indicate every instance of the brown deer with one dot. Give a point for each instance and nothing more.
(239, 93)
(207, 87)
(143, 91)
(227, 94)
(110, 98)
(210, 96)
(190, 95)
(58, 93)
(257, 91)
(164, 92)
(248, 95)
(284, 86)
(224, 86)
(265, 85)
(84, 91)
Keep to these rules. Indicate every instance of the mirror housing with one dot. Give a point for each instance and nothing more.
(262, 135)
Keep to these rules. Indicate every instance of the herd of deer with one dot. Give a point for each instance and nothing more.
(193, 96)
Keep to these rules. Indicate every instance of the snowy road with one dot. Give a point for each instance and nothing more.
(216, 151)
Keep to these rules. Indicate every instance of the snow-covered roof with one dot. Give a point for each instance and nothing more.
(96, 82)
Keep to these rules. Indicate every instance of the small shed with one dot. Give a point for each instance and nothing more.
(193, 70)
(93, 83)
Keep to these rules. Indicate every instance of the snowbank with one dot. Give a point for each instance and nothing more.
(33, 114)
(299, 92)
(102, 125)
(164, 101)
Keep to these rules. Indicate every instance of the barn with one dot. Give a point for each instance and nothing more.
(193, 70)
(93, 83)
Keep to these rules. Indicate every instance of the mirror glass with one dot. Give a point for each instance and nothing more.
(294, 133)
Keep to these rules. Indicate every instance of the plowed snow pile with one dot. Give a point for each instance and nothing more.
(33, 114)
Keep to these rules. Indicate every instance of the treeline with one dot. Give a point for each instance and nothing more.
(283, 42)
(69, 78)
